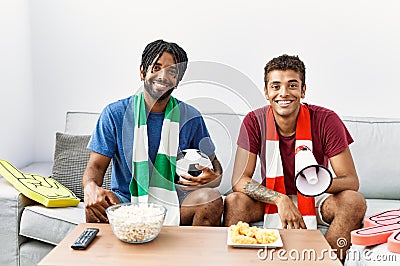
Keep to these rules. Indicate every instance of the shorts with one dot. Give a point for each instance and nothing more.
(319, 200)
(121, 197)
(181, 196)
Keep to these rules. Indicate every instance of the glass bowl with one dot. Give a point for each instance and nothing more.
(136, 222)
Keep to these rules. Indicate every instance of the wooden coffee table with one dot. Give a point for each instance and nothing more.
(188, 246)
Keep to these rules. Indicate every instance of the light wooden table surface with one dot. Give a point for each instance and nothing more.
(188, 246)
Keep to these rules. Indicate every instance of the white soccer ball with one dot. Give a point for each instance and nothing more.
(187, 160)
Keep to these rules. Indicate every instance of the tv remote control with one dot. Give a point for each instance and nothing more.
(83, 241)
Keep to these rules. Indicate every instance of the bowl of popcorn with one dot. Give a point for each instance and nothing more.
(136, 222)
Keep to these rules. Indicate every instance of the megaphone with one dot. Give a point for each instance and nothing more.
(311, 179)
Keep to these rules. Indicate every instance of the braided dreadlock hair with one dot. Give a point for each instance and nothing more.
(286, 62)
(154, 50)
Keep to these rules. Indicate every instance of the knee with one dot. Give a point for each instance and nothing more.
(234, 199)
(237, 202)
(208, 195)
(215, 200)
(210, 208)
(353, 203)
(206, 198)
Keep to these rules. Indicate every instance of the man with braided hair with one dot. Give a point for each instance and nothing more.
(142, 135)
(273, 132)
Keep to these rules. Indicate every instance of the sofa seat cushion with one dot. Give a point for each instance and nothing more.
(50, 225)
(379, 205)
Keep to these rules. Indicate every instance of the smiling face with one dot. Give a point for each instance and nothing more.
(284, 90)
(161, 77)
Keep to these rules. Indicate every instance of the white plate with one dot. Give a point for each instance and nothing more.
(276, 244)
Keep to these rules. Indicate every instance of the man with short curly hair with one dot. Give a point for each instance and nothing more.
(273, 132)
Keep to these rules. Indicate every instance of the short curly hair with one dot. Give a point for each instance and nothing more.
(286, 62)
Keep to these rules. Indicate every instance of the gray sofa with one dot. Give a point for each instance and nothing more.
(31, 230)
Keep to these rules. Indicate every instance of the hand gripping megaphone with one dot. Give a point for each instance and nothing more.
(311, 179)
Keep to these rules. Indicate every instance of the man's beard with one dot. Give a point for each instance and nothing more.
(156, 96)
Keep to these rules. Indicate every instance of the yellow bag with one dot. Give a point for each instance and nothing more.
(44, 190)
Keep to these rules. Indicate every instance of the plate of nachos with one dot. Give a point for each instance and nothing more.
(241, 235)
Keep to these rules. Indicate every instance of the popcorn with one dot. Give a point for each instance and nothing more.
(242, 239)
(136, 223)
(242, 233)
(265, 236)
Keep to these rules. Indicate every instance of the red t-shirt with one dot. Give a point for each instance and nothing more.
(329, 137)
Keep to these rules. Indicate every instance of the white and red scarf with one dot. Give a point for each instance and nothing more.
(274, 179)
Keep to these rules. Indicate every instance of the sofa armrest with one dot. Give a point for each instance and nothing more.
(12, 203)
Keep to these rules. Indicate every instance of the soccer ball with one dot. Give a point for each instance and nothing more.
(187, 160)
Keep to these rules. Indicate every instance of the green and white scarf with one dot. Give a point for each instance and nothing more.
(160, 188)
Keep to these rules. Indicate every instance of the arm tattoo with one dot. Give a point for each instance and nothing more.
(260, 193)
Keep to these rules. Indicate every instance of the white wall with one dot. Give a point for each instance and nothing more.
(16, 94)
(86, 53)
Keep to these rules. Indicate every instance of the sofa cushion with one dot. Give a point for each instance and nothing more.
(375, 155)
(70, 160)
(80, 123)
(38, 168)
(224, 130)
(50, 225)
